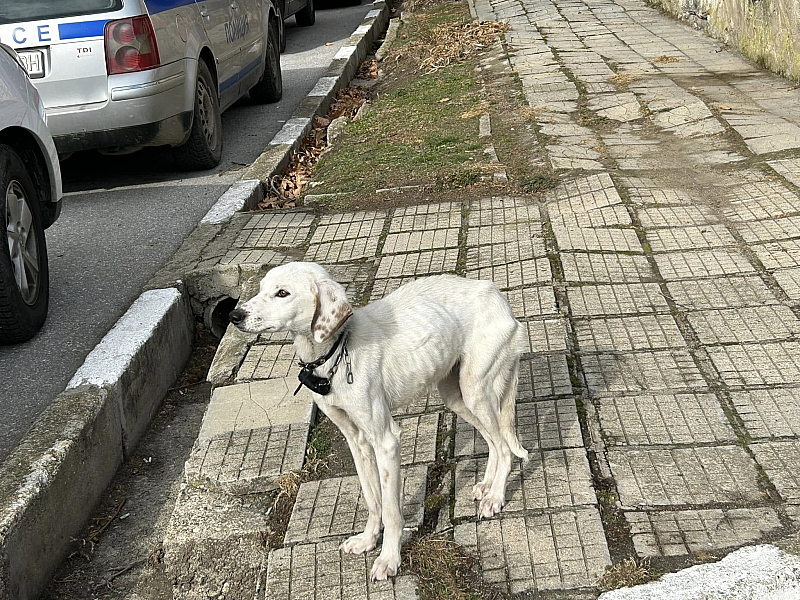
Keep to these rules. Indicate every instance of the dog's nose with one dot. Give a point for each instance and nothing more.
(237, 316)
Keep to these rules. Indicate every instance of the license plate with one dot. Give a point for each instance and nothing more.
(33, 61)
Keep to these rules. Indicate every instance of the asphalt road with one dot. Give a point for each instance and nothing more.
(123, 218)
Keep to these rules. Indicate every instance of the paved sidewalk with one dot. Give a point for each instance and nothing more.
(660, 284)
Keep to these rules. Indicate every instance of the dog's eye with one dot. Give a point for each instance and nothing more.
(281, 294)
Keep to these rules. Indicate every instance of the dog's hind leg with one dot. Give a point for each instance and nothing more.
(450, 391)
(367, 469)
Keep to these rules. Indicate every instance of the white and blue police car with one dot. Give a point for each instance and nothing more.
(120, 75)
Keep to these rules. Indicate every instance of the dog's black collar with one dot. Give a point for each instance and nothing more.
(322, 385)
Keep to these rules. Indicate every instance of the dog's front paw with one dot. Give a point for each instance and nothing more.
(479, 490)
(358, 544)
(385, 567)
(490, 506)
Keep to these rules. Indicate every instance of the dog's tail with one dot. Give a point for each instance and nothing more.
(508, 401)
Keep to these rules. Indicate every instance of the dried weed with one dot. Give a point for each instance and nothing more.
(456, 42)
(627, 573)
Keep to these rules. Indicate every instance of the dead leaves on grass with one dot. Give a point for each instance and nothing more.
(456, 42)
(285, 189)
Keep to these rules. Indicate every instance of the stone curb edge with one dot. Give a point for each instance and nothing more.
(51, 482)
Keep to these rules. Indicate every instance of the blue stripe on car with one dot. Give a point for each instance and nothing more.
(157, 6)
(82, 29)
(238, 76)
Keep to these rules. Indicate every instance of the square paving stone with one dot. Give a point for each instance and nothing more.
(508, 233)
(582, 194)
(346, 236)
(261, 257)
(779, 255)
(321, 572)
(335, 507)
(549, 479)
(605, 268)
(268, 362)
(533, 302)
(601, 217)
(501, 254)
(257, 404)
(278, 220)
(429, 262)
(430, 402)
(789, 280)
(700, 237)
(552, 551)
(660, 477)
(425, 217)
(761, 200)
(416, 241)
(515, 274)
(543, 376)
(546, 424)
(646, 332)
(630, 299)
(789, 168)
(763, 364)
(549, 335)
(596, 239)
(690, 264)
(654, 419)
(502, 210)
(662, 370)
(283, 237)
(418, 438)
(727, 292)
(646, 191)
(753, 324)
(769, 413)
(682, 532)
(780, 460)
(670, 216)
(250, 460)
(770, 230)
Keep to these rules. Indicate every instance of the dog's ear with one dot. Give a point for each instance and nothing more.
(332, 310)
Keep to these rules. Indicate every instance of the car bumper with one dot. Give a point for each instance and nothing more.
(172, 130)
(150, 108)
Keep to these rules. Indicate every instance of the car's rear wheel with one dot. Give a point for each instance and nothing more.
(24, 276)
(203, 149)
(306, 16)
(270, 87)
(282, 28)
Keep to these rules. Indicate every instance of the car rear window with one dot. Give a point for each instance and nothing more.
(12, 11)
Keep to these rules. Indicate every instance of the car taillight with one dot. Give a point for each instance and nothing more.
(131, 45)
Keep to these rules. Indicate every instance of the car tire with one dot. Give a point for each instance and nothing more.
(270, 87)
(203, 149)
(282, 28)
(306, 16)
(24, 274)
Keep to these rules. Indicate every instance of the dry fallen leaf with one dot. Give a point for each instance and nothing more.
(724, 107)
(329, 43)
(443, 100)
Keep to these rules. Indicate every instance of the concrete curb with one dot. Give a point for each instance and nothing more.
(51, 482)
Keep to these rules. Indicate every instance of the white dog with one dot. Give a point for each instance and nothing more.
(457, 334)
